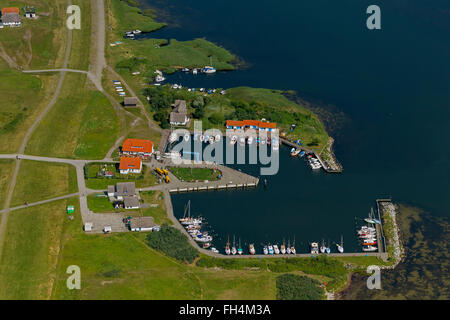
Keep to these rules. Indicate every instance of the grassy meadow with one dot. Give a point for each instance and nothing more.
(193, 174)
(82, 124)
(39, 181)
(6, 171)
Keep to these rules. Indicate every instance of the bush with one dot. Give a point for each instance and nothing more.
(172, 242)
(294, 287)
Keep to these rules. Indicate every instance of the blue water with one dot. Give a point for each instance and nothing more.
(392, 84)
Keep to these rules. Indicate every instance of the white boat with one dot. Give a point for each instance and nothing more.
(295, 152)
(209, 69)
(233, 140)
(222, 92)
(185, 70)
(250, 140)
(227, 248)
(218, 137)
(159, 78)
(214, 250)
(322, 247)
(288, 248)
(233, 248)
(293, 251)
(239, 250)
(328, 250)
(242, 141)
(202, 138)
(137, 31)
(283, 248)
(265, 250)
(203, 238)
(340, 246)
(270, 249)
(252, 249)
(314, 248)
(369, 248)
(187, 137)
(194, 71)
(275, 249)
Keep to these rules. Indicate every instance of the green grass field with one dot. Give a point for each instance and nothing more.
(33, 242)
(6, 171)
(193, 174)
(39, 181)
(82, 124)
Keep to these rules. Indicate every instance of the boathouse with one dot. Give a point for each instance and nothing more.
(142, 224)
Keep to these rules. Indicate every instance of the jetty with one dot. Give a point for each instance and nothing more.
(331, 166)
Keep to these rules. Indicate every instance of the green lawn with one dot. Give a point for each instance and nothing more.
(144, 179)
(157, 207)
(39, 181)
(33, 243)
(99, 204)
(193, 174)
(6, 171)
(82, 124)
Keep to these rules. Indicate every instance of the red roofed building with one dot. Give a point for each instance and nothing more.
(137, 147)
(10, 10)
(130, 165)
(233, 124)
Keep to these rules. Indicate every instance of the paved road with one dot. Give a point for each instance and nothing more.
(28, 134)
(42, 202)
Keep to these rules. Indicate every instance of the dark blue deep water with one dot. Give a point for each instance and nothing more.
(392, 85)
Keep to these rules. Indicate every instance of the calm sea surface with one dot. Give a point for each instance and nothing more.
(391, 84)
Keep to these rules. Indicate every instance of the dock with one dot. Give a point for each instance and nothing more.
(333, 167)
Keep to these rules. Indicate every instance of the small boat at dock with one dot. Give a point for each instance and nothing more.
(314, 248)
(227, 248)
(340, 246)
(275, 249)
(233, 248)
(265, 250)
(239, 250)
(293, 251)
(283, 248)
(271, 249)
(214, 250)
(288, 248)
(369, 248)
(251, 248)
(294, 152)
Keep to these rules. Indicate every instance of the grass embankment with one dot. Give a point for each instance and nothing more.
(6, 171)
(81, 50)
(93, 181)
(33, 242)
(39, 181)
(82, 124)
(295, 287)
(195, 174)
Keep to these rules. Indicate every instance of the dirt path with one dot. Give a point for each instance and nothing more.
(30, 131)
(11, 63)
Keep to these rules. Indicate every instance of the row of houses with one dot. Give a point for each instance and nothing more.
(251, 124)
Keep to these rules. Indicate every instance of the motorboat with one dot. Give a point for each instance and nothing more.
(194, 71)
(265, 250)
(185, 70)
(214, 250)
(295, 152)
(340, 246)
(314, 248)
(251, 249)
(233, 140)
(369, 248)
(203, 238)
(209, 70)
(159, 78)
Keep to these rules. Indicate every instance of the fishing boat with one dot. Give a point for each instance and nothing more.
(265, 250)
(251, 248)
(293, 251)
(227, 248)
(314, 248)
(239, 250)
(294, 152)
(340, 246)
(369, 248)
(214, 250)
(233, 248)
(283, 248)
(275, 249)
(270, 249)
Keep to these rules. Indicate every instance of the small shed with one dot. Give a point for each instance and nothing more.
(130, 102)
(88, 226)
(107, 229)
(70, 209)
(131, 203)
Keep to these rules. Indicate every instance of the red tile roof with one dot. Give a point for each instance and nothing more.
(130, 163)
(259, 124)
(137, 145)
(10, 10)
(234, 123)
(270, 125)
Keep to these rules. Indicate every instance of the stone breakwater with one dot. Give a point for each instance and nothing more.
(390, 210)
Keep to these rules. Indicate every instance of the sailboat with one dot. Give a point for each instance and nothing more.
(233, 248)
(371, 218)
(239, 250)
(293, 247)
(227, 248)
(340, 247)
(327, 249)
(322, 247)
(275, 249)
(209, 69)
(283, 248)
(270, 249)
(252, 248)
(265, 250)
(288, 248)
